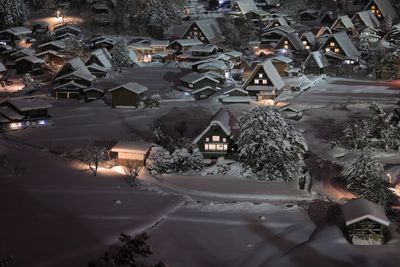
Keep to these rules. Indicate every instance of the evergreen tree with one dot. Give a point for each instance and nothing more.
(365, 179)
(120, 56)
(269, 146)
(12, 13)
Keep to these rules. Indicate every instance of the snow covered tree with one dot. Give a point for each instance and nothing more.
(183, 161)
(132, 169)
(269, 146)
(159, 161)
(356, 132)
(13, 13)
(152, 101)
(365, 179)
(73, 47)
(120, 56)
(93, 155)
(230, 33)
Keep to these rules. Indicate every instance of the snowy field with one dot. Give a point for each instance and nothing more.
(191, 222)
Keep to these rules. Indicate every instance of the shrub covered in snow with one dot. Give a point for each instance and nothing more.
(13, 13)
(222, 168)
(159, 161)
(365, 179)
(152, 101)
(269, 146)
(120, 56)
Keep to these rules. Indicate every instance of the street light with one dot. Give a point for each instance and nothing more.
(58, 13)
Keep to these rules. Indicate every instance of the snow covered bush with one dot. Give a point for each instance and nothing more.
(120, 56)
(183, 161)
(159, 161)
(365, 179)
(152, 101)
(357, 132)
(269, 146)
(13, 13)
(222, 168)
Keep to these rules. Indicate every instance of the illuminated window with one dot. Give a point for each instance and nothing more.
(337, 50)
(373, 7)
(304, 42)
(276, 24)
(207, 139)
(332, 44)
(264, 81)
(307, 47)
(256, 81)
(260, 75)
(202, 38)
(286, 46)
(224, 140)
(327, 49)
(195, 28)
(215, 138)
(190, 85)
(286, 42)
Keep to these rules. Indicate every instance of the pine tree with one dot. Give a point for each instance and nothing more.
(120, 56)
(12, 13)
(365, 179)
(269, 146)
(357, 132)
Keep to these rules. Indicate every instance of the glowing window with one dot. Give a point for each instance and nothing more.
(207, 139)
(215, 138)
(190, 85)
(304, 42)
(264, 81)
(332, 44)
(327, 49)
(256, 81)
(260, 75)
(337, 50)
(224, 140)
(286, 42)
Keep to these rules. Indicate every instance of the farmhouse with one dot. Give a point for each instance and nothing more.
(205, 30)
(382, 9)
(131, 151)
(316, 63)
(127, 95)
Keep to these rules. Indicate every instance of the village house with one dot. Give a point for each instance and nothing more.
(338, 48)
(309, 41)
(343, 23)
(71, 29)
(100, 57)
(124, 151)
(15, 36)
(274, 35)
(276, 22)
(364, 19)
(92, 93)
(382, 9)
(52, 56)
(235, 95)
(264, 82)
(53, 45)
(290, 43)
(75, 70)
(316, 63)
(128, 95)
(243, 7)
(219, 137)
(102, 42)
(205, 30)
(282, 64)
(182, 45)
(22, 112)
(199, 85)
(29, 64)
(69, 90)
(217, 65)
(365, 222)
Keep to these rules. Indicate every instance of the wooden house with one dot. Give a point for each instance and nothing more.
(15, 36)
(74, 70)
(274, 35)
(309, 41)
(29, 64)
(282, 64)
(194, 81)
(203, 50)
(243, 7)
(92, 93)
(102, 42)
(52, 56)
(290, 43)
(343, 23)
(309, 15)
(53, 45)
(365, 222)
(69, 90)
(264, 82)
(338, 47)
(127, 95)
(100, 57)
(22, 112)
(159, 46)
(205, 30)
(72, 29)
(131, 151)
(382, 9)
(276, 22)
(235, 95)
(207, 65)
(364, 19)
(219, 137)
(316, 63)
(97, 70)
(182, 45)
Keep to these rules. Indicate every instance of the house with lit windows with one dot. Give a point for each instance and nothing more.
(243, 7)
(291, 42)
(264, 82)
(309, 41)
(343, 23)
(201, 86)
(382, 9)
(218, 139)
(276, 22)
(364, 19)
(339, 48)
(205, 30)
(316, 63)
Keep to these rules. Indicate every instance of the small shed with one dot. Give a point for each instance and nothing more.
(29, 64)
(131, 151)
(127, 95)
(366, 222)
(93, 94)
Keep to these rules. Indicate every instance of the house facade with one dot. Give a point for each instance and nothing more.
(127, 95)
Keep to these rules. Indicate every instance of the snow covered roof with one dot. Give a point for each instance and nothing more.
(368, 18)
(345, 43)
(281, 58)
(194, 77)
(245, 6)
(93, 89)
(83, 74)
(210, 28)
(132, 87)
(226, 121)
(361, 209)
(96, 67)
(64, 36)
(23, 52)
(309, 37)
(159, 43)
(214, 64)
(103, 56)
(346, 22)
(67, 26)
(235, 89)
(270, 71)
(201, 89)
(188, 42)
(52, 52)
(233, 53)
(18, 31)
(27, 103)
(32, 59)
(2, 67)
(57, 43)
(386, 8)
(319, 58)
(132, 147)
(323, 31)
(72, 65)
(282, 30)
(70, 84)
(203, 48)
(10, 114)
(294, 39)
(235, 99)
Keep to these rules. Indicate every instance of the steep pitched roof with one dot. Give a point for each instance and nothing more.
(2, 67)
(385, 7)
(133, 87)
(271, 73)
(57, 43)
(69, 84)
(294, 39)
(368, 18)
(18, 30)
(245, 5)
(360, 209)
(319, 58)
(211, 30)
(70, 66)
(194, 77)
(27, 103)
(345, 43)
(226, 121)
(103, 56)
(187, 42)
(32, 59)
(346, 22)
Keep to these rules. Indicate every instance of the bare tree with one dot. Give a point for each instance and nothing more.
(132, 169)
(92, 155)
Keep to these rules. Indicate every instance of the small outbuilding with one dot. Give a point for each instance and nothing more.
(127, 95)
(365, 222)
(131, 151)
